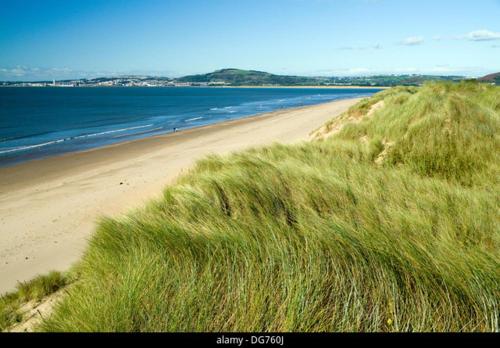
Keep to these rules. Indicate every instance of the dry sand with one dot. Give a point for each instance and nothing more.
(48, 207)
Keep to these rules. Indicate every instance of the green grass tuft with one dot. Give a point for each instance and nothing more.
(34, 290)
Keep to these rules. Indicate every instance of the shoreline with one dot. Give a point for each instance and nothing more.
(28, 156)
(166, 134)
(8, 177)
(48, 207)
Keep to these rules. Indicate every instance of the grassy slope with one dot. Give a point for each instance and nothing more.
(11, 304)
(319, 236)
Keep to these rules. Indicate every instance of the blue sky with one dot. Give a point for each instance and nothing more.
(65, 39)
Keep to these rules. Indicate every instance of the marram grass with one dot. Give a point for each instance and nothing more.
(389, 225)
(12, 304)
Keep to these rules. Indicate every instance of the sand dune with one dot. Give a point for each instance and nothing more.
(48, 207)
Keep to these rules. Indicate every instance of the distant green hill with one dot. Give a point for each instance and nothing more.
(238, 77)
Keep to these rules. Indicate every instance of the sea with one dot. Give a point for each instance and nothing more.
(48, 121)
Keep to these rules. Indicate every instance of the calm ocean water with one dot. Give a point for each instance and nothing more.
(40, 122)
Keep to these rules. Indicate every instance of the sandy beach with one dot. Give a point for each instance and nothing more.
(48, 207)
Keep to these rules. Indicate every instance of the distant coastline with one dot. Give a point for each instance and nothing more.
(242, 79)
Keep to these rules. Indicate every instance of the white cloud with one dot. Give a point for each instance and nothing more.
(482, 35)
(412, 41)
(24, 73)
(21, 72)
(17, 71)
